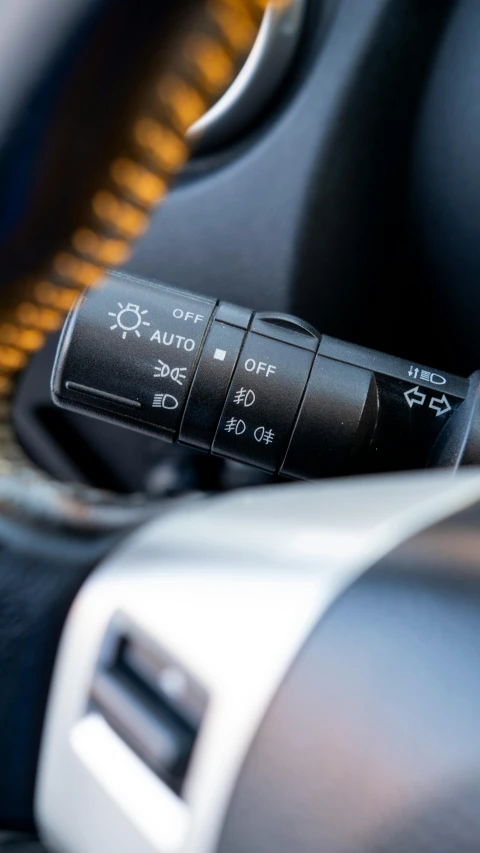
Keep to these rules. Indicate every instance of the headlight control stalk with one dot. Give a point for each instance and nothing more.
(262, 388)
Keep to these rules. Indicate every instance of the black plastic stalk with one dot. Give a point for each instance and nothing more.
(265, 389)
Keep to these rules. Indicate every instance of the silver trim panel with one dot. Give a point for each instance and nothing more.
(231, 588)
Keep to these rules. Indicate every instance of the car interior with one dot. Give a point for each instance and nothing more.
(239, 426)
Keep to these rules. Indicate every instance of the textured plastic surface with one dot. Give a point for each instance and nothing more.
(337, 420)
(210, 385)
(234, 315)
(396, 368)
(459, 442)
(130, 351)
(248, 387)
(263, 401)
(284, 327)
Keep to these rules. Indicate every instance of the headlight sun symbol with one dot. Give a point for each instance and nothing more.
(128, 319)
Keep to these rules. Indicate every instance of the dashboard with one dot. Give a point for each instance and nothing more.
(311, 203)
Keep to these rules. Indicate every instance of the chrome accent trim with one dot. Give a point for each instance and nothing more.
(263, 71)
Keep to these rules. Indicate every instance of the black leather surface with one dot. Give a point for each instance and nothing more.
(40, 572)
(372, 744)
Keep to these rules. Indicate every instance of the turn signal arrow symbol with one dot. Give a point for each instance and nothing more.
(415, 397)
(440, 405)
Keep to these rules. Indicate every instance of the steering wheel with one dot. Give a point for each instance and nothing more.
(289, 667)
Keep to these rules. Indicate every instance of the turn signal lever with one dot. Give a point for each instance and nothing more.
(262, 388)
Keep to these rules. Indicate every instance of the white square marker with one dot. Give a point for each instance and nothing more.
(220, 354)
